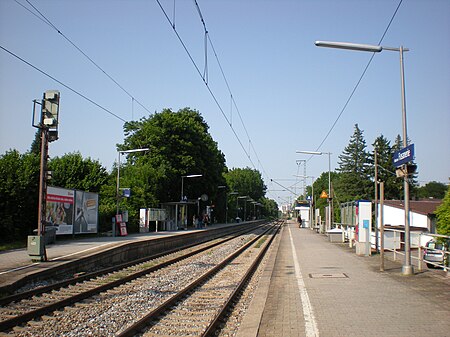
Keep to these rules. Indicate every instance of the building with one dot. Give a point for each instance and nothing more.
(422, 217)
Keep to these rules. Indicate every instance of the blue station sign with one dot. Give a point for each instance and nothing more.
(403, 156)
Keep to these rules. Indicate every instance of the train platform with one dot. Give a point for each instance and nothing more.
(311, 287)
(17, 264)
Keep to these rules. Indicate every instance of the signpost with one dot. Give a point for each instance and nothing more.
(323, 195)
(403, 156)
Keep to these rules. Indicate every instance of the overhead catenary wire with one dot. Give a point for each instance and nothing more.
(44, 19)
(359, 80)
(205, 81)
(63, 84)
(233, 102)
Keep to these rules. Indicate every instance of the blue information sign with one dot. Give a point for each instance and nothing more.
(403, 156)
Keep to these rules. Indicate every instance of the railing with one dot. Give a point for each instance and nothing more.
(418, 241)
(393, 243)
(348, 231)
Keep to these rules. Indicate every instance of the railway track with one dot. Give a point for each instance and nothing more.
(76, 297)
(199, 308)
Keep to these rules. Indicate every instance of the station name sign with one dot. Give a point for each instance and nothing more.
(403, 156)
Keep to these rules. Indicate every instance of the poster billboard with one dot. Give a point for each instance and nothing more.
(86, 213)
(71, 211)
(60, 209)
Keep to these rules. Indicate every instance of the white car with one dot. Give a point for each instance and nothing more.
(435, 252)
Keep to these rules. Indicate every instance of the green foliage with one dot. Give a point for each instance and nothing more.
(432, 189)
(19, 188)
(355, 166)
(321, 184)
(73, 172)
(393, 186)
(413, 184)
(443, 215)
(248, 182)
(179, 144)
(36, 145)
(270, 208)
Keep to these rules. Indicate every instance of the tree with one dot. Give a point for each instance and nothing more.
(321, 184)
(179, 144)
(386, 169)
(73, 172)
(432, 189)
(443, 215)
(19, 188)
(354, 165)
(270, 208)
(36, 144)
(245, 181)
(413, 184)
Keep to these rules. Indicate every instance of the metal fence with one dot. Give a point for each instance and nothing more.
(393, 242)
(418, 244)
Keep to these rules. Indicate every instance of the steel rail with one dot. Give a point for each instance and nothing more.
(210, 331)
(141, 324)
(23, 318)
(78, 279)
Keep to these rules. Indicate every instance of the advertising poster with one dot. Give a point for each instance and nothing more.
(86, 213)
(60, 209)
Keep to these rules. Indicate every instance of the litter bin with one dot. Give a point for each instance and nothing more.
(50, 234)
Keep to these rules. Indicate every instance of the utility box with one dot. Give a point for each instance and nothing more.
(335, 235)
(36, 246)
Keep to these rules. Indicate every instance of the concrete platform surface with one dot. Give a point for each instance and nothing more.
(16, 264)
(312, 287)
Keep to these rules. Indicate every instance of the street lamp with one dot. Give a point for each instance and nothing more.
(118, 180)
(219, 188)
(407, 268)
(255, 203)
(330, 197)
(249, 199)
(237, 204)
(311, 225)
(182, 182)
(226, 210)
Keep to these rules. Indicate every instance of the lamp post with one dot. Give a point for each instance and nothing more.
(330, 197)
(226, 210)
(182, 219)
(182, 182)
(118, 181)
(407, 268)
(249, 199)
(312, 200)
(219, 188)
(237, 204)
(254, 209)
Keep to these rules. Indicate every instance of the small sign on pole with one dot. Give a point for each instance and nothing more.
(323, 195)
(403, 156)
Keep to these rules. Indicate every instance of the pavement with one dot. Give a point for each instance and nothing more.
(312, 287)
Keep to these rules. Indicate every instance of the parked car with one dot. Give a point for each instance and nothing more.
(435, 252)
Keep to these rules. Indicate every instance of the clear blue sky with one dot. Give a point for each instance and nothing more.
(288, 91)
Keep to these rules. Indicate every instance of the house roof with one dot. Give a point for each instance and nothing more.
(425, 207)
